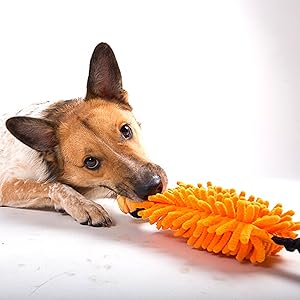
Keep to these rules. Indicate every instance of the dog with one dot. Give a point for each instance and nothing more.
(66, 154)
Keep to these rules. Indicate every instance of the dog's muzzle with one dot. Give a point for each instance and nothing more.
(152, 180)
(151, 186)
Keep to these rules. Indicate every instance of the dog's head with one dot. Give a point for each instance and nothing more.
(94, 142)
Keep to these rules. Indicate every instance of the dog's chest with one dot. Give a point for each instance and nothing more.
(16, 159)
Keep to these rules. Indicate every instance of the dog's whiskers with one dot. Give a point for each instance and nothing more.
(110, 194)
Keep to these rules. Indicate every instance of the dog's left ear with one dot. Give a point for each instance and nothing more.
(38, 134)
(105, 80)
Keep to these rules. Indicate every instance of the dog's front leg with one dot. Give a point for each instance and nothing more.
(33, 194)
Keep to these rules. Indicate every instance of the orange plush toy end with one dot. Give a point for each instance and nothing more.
(219, 220)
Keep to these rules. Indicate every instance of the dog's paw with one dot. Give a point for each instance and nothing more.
(90, 213)
(59, 209)
(84, 211)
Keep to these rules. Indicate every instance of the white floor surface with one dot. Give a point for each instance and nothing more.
(46, 255)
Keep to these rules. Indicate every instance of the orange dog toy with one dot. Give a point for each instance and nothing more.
(219, 220)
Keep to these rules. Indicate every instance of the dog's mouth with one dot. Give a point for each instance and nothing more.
(131, 195)
(127, 192)
(122, 190)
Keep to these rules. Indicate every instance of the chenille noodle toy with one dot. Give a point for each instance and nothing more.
(220, 220)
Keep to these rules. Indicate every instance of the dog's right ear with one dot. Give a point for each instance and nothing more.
(38, 134)
(105, 80)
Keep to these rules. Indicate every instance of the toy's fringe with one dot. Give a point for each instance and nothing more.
(219, 220)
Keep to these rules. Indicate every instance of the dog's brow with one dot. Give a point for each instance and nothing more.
(86, 124)
(87, 150)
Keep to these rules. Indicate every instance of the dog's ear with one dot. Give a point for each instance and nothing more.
(36, 133)
(105, 80)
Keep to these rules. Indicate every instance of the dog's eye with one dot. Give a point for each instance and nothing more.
(91, 163)
(126, 131)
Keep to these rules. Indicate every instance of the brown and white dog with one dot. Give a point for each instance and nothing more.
(64, 155)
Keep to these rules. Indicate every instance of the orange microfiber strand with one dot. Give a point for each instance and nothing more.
(218, 220)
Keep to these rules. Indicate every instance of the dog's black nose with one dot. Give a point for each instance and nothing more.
(150, 187)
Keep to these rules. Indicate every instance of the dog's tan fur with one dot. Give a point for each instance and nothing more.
(70, 131)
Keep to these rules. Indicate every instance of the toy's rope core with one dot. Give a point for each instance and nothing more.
(218, 220)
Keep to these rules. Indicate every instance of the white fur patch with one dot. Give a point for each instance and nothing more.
(16, 159)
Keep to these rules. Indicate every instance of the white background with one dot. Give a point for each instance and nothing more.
(216, 85)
